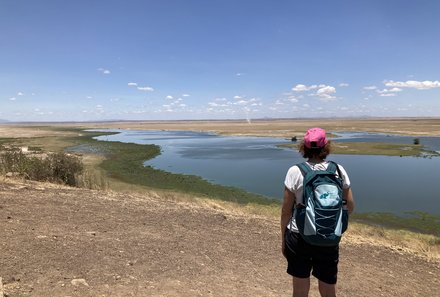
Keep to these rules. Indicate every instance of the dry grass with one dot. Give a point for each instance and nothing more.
(403, 241)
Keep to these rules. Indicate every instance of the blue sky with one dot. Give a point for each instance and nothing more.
(222, 59)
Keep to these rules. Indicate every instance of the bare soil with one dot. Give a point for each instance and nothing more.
(60, 241)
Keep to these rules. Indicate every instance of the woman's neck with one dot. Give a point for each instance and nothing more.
(315, 160)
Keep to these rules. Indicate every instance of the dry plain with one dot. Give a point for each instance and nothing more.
(61, 241)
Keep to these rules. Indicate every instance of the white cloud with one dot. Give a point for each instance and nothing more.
(344, 85)
(420, 85)
(169, 97)
(393, 90)
(370, 88)
(302, 88)
(145, 89)
(241, 102)
(326, 90)
(104, 71)
(388, 92)
(287, 98)
(293, 99)
(324, 93)
(186, 95)
(215, 104)
(12, 98)
(20, 94)
(89, 97)
(132, 84)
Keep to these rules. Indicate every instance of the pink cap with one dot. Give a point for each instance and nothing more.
(315, 138)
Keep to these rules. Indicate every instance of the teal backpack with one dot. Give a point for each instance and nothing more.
(321, 219)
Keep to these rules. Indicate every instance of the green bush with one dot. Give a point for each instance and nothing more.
(56, 167)
(64, 167)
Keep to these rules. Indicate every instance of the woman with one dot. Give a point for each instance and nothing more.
(302, 257)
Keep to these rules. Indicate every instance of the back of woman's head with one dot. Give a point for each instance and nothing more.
(318, 152)
(315, 144)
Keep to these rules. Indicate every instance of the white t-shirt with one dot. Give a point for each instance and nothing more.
(294, 182)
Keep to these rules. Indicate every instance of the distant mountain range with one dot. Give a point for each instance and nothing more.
(3, 121)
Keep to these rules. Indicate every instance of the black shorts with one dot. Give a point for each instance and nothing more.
(303, 258)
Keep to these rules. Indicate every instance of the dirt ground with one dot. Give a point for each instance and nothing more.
(60, 241)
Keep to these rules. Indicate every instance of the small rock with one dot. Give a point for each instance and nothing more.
(12, 174)
(79, 281)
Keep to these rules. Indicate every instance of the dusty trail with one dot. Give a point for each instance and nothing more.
(58, 241)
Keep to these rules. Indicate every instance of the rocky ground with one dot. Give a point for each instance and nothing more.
(59, 241)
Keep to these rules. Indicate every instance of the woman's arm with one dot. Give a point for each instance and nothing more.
(286, 213)
(348, 196)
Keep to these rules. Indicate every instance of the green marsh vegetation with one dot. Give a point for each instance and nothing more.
(419, 222)
(124, 162)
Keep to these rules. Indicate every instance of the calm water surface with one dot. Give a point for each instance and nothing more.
(256, 164)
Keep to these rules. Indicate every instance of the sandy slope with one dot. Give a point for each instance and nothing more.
(58, 241)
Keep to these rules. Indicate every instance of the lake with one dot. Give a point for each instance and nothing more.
(257, 165)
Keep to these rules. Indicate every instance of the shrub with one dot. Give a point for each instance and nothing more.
(64, 167)
(56, 167)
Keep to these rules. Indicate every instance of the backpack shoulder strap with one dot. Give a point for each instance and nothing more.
(333, 167)
(304, 168)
